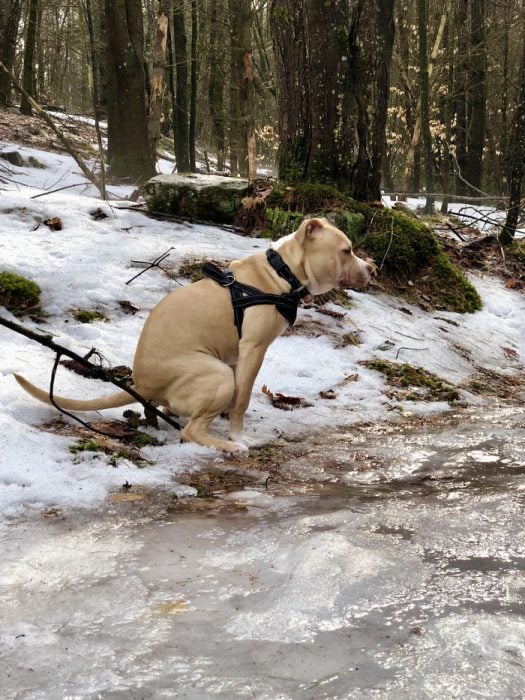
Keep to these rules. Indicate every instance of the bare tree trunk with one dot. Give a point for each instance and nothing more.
(424, 96)
(28, 79)
(216, 84)
(158, 60)
(193, 83)
(127, 127)
(517, 156)
(9, 21)
(180, 112)
(477, 87)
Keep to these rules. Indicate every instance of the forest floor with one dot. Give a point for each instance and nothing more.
(370, 546)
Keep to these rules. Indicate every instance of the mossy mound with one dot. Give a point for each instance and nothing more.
(18, 294)
(407, 253)
(88, 316)
(413, 383)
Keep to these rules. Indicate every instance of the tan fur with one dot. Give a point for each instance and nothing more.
(189, 357)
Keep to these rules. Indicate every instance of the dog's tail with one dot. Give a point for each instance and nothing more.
(120, 398)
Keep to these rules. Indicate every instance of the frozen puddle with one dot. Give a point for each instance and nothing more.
(404, 579)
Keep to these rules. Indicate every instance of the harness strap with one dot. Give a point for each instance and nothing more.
(244, 296)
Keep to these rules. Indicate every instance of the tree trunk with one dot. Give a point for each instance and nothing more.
(241, 84)
(333, 72)
(158, 66)
(28, 78)
(424, 96)
(9, 21)
(129, 150)
(517, 156)
(461, 94)
(293, 87)
(216, 84)
(477, 88)
(193, 83)
(181, 110)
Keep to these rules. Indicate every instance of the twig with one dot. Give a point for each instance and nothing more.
(149, 265)
(389, 244)
(58, 189)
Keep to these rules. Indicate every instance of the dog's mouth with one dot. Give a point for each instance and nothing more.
(359, 281)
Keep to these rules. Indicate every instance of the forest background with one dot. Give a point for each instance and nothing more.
(402, 96)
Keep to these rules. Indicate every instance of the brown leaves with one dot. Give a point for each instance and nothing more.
(285, 403)
(54, 223)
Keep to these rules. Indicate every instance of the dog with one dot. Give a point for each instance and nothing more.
(193, 360)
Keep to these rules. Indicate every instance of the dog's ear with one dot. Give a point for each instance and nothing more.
(309, 228)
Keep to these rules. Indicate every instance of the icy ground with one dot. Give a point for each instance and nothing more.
(357, 585)
(383, 558)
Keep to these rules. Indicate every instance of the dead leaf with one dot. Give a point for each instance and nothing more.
(329, 394)
(52, 513)
(352, 378)
(175, 607)
(54, 223)
(124, 497)
(285, 403)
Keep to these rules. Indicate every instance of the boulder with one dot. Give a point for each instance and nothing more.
(207, 197)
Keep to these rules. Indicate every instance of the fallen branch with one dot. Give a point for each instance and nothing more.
(96, 371)
(51, 124)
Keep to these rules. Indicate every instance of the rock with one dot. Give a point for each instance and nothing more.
(207, 197)
(13, 157)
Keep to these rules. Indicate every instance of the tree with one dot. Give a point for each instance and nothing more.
(128, 146)
(333, 71)
(180, 89)
(28, 79)
(216, 84)
(517, 157)
(9, 21)
(424, 98)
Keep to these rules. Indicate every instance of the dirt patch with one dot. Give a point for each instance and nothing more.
(34, 132)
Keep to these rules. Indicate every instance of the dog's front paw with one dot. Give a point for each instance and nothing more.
(243, 439)
(238, 447)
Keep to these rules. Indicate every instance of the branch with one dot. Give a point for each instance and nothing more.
(96, 371)
(45, 116)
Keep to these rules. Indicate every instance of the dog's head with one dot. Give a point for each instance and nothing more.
(327, 257)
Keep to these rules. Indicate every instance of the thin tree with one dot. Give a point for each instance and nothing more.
(180, 94)
(424, 96)
(192, 132)
(517, 156)
(28, 77)
(9, 21)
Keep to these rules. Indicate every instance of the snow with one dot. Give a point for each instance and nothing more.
(378, 583)
(86, 266)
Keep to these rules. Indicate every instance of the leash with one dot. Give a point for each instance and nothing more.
(244, 295)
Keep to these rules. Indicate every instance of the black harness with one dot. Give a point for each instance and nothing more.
(243, 295)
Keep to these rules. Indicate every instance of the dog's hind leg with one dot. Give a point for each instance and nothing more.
(205, 396)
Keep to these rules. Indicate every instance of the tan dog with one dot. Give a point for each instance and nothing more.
(189, 356)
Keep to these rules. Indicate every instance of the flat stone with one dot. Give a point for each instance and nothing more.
(207, 197)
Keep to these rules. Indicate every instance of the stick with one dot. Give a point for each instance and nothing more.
(98, 372)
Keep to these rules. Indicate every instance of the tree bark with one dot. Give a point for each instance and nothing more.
(158, 66)
(193, 83)
(477, 91)
(129, 149)
(216, 84)
(28, 78)
(9, 21)
(517, 156)
(424, 97)
(181, 107)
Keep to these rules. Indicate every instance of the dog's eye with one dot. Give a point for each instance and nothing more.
(347, 251)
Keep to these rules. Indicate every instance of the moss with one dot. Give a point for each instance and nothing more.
(87, 445)
(405, 376)
(282, 222)
(18, 294)
(453, 291)
(88, 316)
(350, 339)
